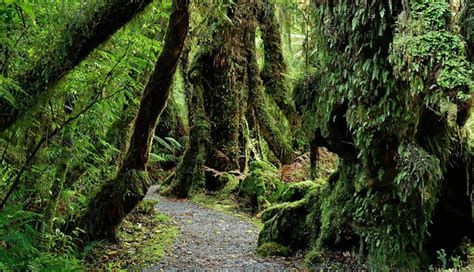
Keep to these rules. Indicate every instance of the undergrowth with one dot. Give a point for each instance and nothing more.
(143, 239)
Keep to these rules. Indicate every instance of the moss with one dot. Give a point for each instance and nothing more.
(313, 256)
(278, 142)
(397, 94)
(113, 201)
(143, 240)
(275, 68)
(231, 184)
(298, 190)
(146, 206)
(336, 208)
(259, 185)
(291, 224)
(272, 249)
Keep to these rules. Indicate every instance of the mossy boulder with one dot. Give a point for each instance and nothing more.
(290, 224)
(146, 206)
(230, 183)
(298, 190)
(257, 188)
(273, 249)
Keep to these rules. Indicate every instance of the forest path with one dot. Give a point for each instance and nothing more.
(211, 240)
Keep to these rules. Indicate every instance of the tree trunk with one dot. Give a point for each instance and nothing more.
(275, 69)
(77, 41)
(219, 75)
(120, 195)
(272, 134)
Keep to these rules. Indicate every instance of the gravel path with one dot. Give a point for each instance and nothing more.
(212, 240)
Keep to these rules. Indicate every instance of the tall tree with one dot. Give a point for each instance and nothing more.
(229, 88)
(219, 75)
(118, 196)
(91, 28)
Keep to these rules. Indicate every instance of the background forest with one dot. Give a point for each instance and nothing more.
(342, 128)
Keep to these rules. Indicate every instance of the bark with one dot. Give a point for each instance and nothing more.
(190, 174)
(274, 70)
(119, 196)
(77, 41)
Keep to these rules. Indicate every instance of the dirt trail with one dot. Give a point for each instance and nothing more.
(212, 240)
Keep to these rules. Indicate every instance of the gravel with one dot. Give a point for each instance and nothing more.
(211, 240)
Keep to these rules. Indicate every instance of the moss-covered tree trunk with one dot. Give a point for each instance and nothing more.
(120, 195)
(393, 109)
(93, 27)
(225, 73)
(275, 68)
(219, 81)
(267, 125)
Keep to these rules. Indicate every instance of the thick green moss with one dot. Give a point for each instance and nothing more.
(298, 190)
(259, 185)
(397, 92)
(230, 184)
(272, 249)
(291, 224)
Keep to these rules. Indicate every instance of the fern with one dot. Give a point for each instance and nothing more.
(162, 158)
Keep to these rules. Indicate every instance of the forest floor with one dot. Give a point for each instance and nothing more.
(210, 239)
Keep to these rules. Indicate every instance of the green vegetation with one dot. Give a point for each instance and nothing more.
(342, 128)
(144, 235)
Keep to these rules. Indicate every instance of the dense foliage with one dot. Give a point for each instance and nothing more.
(343, 125)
